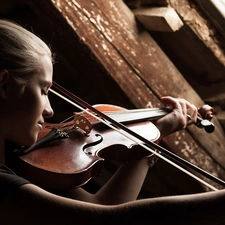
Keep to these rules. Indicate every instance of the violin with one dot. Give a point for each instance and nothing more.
(69, 154)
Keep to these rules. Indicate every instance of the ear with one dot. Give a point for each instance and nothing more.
(4, 74)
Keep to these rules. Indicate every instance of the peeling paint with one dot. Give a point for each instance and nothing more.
(67, 9)
(83, 39)
(104, 46)
(133, 53)
(69, 3)
(119, 62)
(149, 105)
(58, 4)
(98, 25)
(70, 22)
(76, 4)
(98, 20)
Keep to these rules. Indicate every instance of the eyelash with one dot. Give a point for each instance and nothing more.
(44, 92)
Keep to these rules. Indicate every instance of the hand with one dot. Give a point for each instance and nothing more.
(178, 119)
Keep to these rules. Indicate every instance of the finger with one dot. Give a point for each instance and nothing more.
(193, 112)
(187, 110)
(171, 101)
(183, 105)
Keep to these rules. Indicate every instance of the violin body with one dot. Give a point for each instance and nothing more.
(71, 162)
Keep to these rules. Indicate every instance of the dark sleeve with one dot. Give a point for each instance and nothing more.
(9, 181)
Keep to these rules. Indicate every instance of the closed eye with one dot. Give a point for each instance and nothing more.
(44, 92)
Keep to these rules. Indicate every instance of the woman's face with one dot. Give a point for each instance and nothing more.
(26, 112)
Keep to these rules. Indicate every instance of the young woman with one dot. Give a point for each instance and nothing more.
(25, 79)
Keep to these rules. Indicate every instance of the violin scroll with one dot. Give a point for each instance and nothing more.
(205, 115)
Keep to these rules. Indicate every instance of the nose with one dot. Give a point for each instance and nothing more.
(48, 111)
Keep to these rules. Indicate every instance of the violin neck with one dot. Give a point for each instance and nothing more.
(137, 115)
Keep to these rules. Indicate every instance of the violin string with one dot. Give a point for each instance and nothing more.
(137, 142)
(66, 119)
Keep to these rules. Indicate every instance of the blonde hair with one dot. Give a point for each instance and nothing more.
(20, 50)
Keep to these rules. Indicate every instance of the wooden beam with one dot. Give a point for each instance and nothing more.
(159, 18)
(133, 4)
(215, 10)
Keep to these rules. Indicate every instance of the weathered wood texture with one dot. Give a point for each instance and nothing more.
(213, 60)
(133, 59)
(197, 50)
(158, 18)
(215, 11)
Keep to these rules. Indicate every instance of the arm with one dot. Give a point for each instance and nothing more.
(126, 183)
(123, 186)
(32, 205)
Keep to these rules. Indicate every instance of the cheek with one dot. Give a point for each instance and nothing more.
(32, 100)
(30, 108)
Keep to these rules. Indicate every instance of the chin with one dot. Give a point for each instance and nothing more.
(27, 139)
(30, 140)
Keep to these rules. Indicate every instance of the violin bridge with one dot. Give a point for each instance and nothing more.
(83, 124)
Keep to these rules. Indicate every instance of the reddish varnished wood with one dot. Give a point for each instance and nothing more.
(67, 163)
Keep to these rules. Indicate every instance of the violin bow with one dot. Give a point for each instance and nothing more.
(174, 160)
